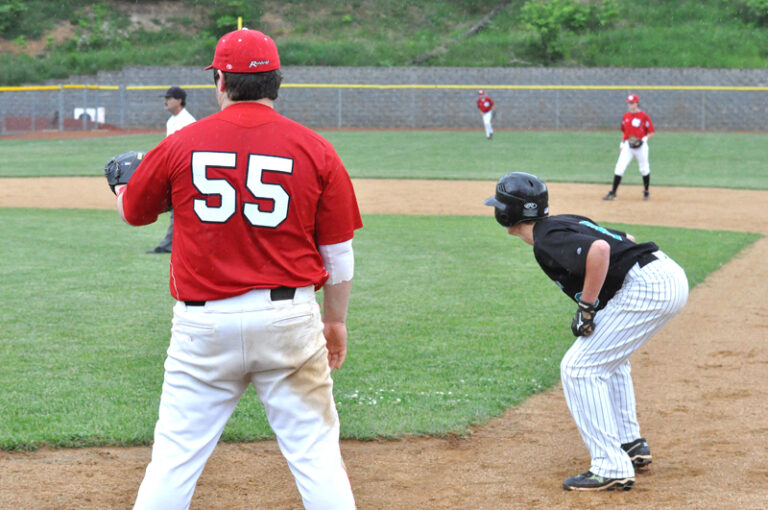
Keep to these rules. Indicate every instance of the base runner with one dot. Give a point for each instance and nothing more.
(624, 292)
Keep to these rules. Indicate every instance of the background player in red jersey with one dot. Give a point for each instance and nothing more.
(485, 104)
(265, 214)
(638, 129)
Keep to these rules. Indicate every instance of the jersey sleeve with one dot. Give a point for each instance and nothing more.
(649, 125)
(148, 191)
(338, 215)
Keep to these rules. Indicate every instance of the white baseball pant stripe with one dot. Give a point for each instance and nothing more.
(625, 158)
(216, 352)
(595, 372)
(487, 118)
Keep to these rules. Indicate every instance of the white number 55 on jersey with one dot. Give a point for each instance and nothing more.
(258, 165)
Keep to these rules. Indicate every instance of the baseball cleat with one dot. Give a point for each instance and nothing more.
(610, 196)
(646, 195)
(591, 482)
(159, 250)
(639, 452)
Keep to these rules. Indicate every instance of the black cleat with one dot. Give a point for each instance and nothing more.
(159, 250)
(591, 482)
(639, 452)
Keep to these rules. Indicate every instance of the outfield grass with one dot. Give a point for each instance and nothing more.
(438, 342)
(725, 160)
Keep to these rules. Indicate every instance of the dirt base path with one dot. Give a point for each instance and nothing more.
(700, 383)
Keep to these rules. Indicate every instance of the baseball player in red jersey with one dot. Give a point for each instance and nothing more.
(638, 129)
(265, 214)
(485, 104)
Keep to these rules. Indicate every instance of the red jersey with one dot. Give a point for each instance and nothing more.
(253, 194)
(636, 124)
(485, 104)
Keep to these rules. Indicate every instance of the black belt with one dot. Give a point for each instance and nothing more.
(278, 294)
(646, 258)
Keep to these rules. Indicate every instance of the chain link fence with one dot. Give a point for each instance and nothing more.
(408, 98)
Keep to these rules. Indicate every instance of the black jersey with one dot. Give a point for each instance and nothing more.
(561, 243)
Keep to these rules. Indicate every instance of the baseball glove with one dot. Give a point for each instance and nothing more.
(635, 142)
(583, 323)
(120, 168)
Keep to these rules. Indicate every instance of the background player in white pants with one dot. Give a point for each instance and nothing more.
(265, 214)
(625, 293)
(485, 104)
(175, 103)
(637, 129)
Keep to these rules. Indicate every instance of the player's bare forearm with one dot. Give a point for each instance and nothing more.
(598, 260)
(335, 304)
(119, 189)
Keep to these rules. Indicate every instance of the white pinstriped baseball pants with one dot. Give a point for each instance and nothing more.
(595, 372)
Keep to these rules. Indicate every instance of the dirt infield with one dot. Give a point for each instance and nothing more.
(701, 390)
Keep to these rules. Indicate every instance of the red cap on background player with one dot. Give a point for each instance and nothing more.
(245, 51)
(481, 92)
(633, 99)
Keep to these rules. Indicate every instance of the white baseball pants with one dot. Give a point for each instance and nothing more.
(216, 352)
(595, 372)
(487, 118)
(625, 158)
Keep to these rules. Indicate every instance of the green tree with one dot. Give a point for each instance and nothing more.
(754, 12)
(549, 18)
(11, 12)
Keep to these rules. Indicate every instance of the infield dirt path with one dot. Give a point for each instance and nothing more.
(700, 383)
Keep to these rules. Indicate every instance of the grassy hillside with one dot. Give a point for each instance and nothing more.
(40, 39)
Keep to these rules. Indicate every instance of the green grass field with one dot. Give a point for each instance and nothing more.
(437, 341)
(727, 160)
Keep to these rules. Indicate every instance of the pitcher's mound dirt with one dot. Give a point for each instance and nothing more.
(700, 383)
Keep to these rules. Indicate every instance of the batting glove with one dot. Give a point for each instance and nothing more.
(583, 323)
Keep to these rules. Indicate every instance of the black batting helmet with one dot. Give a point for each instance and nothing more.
(519, 197)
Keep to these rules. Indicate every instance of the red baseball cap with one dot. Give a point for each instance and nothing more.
(245, 51)
(633, 99)
(481, 92)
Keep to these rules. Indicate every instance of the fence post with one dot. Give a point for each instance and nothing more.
(84, 115)
(61, 108)
(703, 111)
(557, 108)
(121, 91)
(412, 109)
(338, 109)
(34, 114)
(2, 113)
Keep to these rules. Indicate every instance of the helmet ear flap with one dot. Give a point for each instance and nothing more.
(503, 218)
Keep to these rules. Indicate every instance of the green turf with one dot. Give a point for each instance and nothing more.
(86, 157)
(451, 323)
(727, 160)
